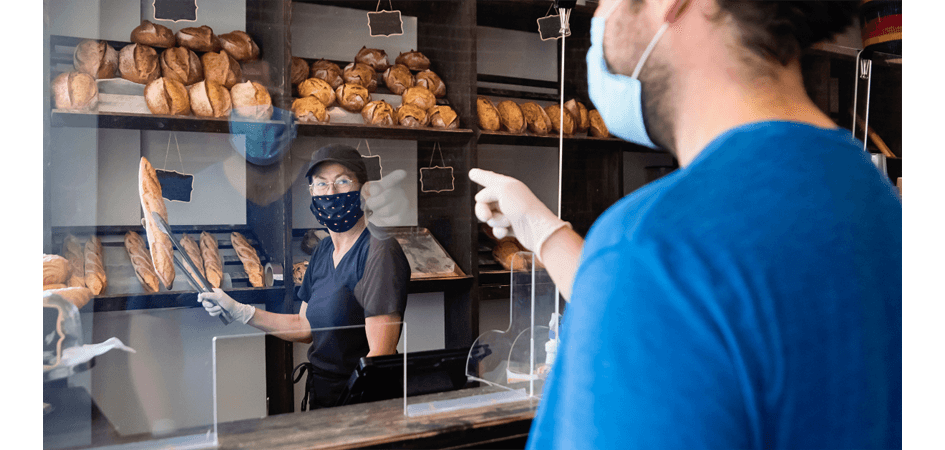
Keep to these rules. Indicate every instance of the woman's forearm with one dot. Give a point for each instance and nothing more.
(290, 327)
(561, 253)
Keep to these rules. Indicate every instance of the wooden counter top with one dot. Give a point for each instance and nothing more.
(383, 424)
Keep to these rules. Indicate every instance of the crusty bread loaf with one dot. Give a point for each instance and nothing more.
(221, 68)
(555, 113)
(299, 71)
(352, 97)
(154, 35)
(488, 114)
(249, 258)
(56, 270)
(508, 253)
(181, 64)
(72, 250)
(398, 78)
(318, 88)
(579, 113)
(442, 116)
(327, 71)
(139, 63)
(411, 116)
(78, 296)
(510, 116)
(418, 96)
(363, 74)
(414, 60)
(432, 81)
(209, 99)
(141, 262)
(162, 250)
(199, 39)
(298, 272)
(95, 278)
(212, 263)
(536, 118)
(251, 100)
(374, 58)
(96, 58)
(76, 91)
(310, 110)
(193, 251)
(239, 45)
(167, 96)
(378, 112)
(597, 126)
(47, 287)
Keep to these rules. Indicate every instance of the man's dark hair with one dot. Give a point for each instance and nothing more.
(781, 30)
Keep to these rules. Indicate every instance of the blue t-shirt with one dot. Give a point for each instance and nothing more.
(752, 299)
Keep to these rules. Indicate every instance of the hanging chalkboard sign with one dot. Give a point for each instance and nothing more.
(373, 165)
(385, 23)
(175, 10)
(549, 28)
(436, 179)
(175, 186)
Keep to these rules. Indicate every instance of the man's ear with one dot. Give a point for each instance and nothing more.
(676, 10)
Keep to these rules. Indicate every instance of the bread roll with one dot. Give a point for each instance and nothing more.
(95, 278)
(442, 116)
(555, 114)
(352, 97)
(212, 263)
(597, 128)
(310, 110)
(193, 252)
(249, 258)
(199, 39)
(298, 272)
(414, 60)
(95, 58)
(221, 68)
(72, 250)
(488, 114)
(162, 250)
(209, 99)
(579, 113)
(411, 116)
(168, 97)
(432, 81)
(318, 88)
(398, 78)
(376, 59)
(138, 63)
(141, 261)
(299, 71)
(537, 119)
(510, 117)
(309, 242)
(420, 97)
(378, 112)
(181, 64)
(78, 296)
(75, 91)
(363, 74)
(251, 100)
(239, 45)
(327, 71)
(153, 35)
(509, 254)
(56, 270)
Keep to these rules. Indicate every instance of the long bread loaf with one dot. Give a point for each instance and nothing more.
(212, 264)
(72, 251)
(141, 261)
(162, 250)
(95, 278)
(193, 251)
(250, 259)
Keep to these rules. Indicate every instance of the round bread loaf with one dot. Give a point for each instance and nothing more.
(398, 78)
(511, 117)
(375, 58)
(167, 96)
(154, 35)
(488, 114)
(411, 116)
(536, 118)
(579, 113)
(299, 70)
(431, 81)
(327, 71)
(251, 100)
(442, 116)
(56, 269)
(221, 68)
(210, 99)
(378, 112)
(352, 97)
(414, 60)
(310, 110)
(363, 74)
(597, 126)
(138, 63)
(239, 45)
(181, 64)
(555, 113)
(96, 58)
(420, 97)
(199, 39)
(76, 91)
(318, 88)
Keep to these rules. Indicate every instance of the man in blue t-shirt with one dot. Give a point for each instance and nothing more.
(752, 298)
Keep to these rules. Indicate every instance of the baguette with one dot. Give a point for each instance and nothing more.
(141, 261)
(193, 251)
(250, 259)
(212, 264)
(72, 251)
(78, 296)
(162, 250)
(95, 277)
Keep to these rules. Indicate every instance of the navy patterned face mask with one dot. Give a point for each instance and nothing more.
(338, 212)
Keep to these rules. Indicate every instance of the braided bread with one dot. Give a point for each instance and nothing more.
(250, 259)
(72, 251)
(162, 250)
(212, 265)
(95, 266)
(141, 261)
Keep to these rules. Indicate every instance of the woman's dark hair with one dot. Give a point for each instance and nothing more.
(781, 30)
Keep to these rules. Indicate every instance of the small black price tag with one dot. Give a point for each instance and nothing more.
(436, 179)
(373, 164)
(385, 23)
(550, 28)
(175, 186)
(175, 10)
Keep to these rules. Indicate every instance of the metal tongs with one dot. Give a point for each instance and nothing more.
(190, 269)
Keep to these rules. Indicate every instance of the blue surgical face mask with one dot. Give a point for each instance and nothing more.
(338, 212)
(618, 98)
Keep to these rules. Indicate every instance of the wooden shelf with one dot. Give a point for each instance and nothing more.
(379, 132)
(585, 142)
(182, 299)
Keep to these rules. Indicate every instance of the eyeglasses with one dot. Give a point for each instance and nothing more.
(342, 185)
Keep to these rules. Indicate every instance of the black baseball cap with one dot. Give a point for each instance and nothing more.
(345, 155)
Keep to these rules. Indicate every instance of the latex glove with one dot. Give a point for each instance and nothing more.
(237, 310)
(386, 199)
(507, 203)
